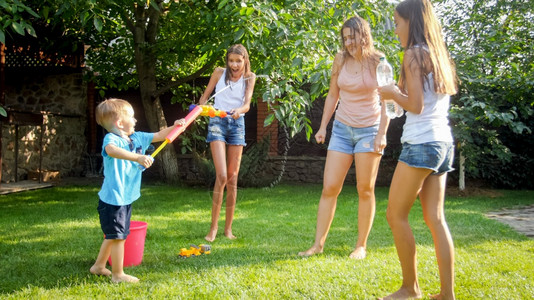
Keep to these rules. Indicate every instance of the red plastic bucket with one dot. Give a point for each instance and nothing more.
(135, 244)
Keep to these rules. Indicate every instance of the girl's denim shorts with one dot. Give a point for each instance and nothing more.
(350, 140)
(436, 156)
(227, 130)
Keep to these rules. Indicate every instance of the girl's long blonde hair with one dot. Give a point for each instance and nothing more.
(425, 30)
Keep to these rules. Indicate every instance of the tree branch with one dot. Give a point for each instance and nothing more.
(153, 22)
(183, 80)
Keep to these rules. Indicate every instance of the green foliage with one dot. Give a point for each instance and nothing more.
(162, 46)
(291, 43)
(15, 17)
(50, 238)
(252, 162)
(492, 46)
(295, 43)
(205, 167)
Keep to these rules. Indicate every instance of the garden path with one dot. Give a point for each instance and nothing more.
(520, 218)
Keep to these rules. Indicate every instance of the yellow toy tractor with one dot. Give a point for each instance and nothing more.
(195, 250)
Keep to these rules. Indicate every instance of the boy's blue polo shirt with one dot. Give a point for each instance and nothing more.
(122, 178)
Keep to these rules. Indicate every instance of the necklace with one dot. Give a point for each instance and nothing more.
(353, 67)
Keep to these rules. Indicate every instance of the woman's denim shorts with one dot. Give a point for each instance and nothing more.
(436, 156)
(227, 130)
(350, 140)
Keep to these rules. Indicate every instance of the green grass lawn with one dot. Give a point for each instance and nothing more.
(50, 238)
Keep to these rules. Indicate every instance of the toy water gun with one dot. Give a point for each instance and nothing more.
(195, 250)
(191, 116)
(209, 111)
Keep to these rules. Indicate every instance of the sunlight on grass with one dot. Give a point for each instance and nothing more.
(51, 238)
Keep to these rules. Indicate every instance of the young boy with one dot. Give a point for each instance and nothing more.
(122, 150)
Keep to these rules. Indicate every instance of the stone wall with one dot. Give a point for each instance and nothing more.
(62, 101)
(296, 169)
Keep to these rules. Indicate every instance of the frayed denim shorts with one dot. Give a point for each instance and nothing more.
(114, 220)
(350, 140)
(436, 156)
(227, 130)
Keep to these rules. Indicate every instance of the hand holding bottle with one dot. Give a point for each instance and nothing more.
(384, 77)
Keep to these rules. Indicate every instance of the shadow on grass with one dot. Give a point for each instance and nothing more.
(50, 239)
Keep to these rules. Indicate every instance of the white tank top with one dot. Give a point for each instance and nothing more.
(232, 97)
(432, 124)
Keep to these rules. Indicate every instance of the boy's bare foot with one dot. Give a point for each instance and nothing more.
(211, 235)
(124, 278)
(403, 294)
(99, 271)
(229, 235)
(358, 253)
(313, 250)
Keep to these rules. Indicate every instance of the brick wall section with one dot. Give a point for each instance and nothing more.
(272, 130)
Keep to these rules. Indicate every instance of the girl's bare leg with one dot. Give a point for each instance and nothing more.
(99, 267)
(218, 152)
(336, 168)
(233, 164)
(366, 172)
(432, 197)
(405, 187)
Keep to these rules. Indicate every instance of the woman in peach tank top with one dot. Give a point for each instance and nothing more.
(358, 133)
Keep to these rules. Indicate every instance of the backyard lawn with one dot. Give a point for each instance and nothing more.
(50, 238)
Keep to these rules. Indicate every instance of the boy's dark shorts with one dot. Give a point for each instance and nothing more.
(114, 220)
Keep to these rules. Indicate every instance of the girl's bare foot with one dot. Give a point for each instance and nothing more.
(124, 278)
(229, 235)
(99, 271)
(358, 253)
(403, 294)
(441, 297)
(211, 235)
(313, 250)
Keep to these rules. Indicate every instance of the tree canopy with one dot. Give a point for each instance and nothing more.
(492, 45)
(159, 46)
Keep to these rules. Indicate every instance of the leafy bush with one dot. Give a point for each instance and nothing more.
(252, 162)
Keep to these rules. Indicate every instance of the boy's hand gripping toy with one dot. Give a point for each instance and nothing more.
(191, 116)
(209, 111)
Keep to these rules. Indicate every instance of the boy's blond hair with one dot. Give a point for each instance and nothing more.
(111, 110)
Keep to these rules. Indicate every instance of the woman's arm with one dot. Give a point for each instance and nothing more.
(331, 99)
(413, 101)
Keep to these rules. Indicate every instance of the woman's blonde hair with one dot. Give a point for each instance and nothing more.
(425, 30)
(110, 110)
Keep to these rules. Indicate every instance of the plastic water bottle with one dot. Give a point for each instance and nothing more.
(384, 76)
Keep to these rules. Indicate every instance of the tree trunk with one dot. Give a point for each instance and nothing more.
(144, 29)
(168, 168)
(461, 179)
